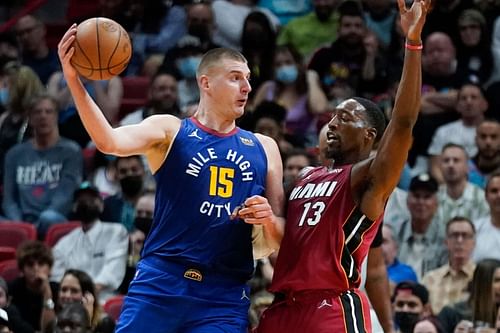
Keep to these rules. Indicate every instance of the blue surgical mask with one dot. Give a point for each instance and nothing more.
(287, 74)
(4, 96)
(188, 66)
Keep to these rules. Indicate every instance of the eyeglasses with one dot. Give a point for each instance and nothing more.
(457, 235)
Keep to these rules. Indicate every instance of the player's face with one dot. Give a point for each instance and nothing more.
(229, 86)
(346, 130)
(70, 290)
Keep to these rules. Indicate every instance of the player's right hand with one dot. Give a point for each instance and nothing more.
(65, 51)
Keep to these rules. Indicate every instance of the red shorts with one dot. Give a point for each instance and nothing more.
(318, 311)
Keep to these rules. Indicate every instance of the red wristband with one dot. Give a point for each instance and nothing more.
(414, 47)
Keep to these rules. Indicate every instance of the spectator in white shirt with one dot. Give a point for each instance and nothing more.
(488, 227)
(97, 248)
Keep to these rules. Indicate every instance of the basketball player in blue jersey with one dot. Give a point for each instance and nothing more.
(196, 259)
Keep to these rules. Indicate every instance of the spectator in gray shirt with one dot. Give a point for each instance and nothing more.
(39, 173)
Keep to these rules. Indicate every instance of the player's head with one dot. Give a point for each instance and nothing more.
(223, 78)
(357, 124)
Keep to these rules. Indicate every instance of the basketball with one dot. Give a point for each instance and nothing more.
(102, 49)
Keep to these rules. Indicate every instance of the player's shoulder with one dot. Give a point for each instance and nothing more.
(166, 122)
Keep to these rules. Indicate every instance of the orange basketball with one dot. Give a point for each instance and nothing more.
(102, 49)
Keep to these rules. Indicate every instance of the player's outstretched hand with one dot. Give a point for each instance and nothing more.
(413, 18)
(65, 51)
(257, 210)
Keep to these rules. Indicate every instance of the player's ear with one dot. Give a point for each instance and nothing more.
(371, 133)
(203, 82)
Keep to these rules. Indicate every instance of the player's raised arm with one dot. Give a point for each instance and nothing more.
(392, 152)
(127, 140)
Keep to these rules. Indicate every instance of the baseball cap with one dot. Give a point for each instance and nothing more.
(4, 318)
(425, 182)
(415, 288)
(86, 187)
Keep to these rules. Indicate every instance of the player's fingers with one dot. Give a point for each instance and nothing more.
(401, 6)
(66, 44)
(70, 32)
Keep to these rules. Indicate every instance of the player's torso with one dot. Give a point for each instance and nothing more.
(204, 177)
(325, 236)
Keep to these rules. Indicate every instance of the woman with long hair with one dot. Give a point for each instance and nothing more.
(483, 300)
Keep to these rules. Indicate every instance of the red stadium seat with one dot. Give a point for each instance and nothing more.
(135, 94)
(113, 306)
(14, 233)
(7, 253)
(57, 231)
(9, 270)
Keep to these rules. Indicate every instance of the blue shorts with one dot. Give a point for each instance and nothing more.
(164, 300)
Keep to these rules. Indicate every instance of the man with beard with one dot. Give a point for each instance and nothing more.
(487, 158)
(341, 66)
(308, 32)
(97, 248)
(162, 99)
(333, 213)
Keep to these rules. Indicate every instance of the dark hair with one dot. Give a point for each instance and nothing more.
(350, 8)
(86, 285)
(69, 312)
(31, 251)
(272, 110)
(455, 145)
(301, 83)
(300, 152)
(481, 299)
(416, 289)
(473, 84)
(34, 100)
(375, 116)
(460, 219)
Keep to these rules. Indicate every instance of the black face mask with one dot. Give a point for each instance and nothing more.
(143, 224)
(131, 185)
(406, 320)
(199, 30)
(87, 212)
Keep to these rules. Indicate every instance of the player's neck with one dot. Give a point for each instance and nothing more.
(214, 120)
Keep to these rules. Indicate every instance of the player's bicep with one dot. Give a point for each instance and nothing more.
(141, 138)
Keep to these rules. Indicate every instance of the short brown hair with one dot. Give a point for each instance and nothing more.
(214, 56)
(31, 251)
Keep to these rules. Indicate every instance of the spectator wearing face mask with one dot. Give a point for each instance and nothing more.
(144, 210)
(97, 248)
(121, 206)
(410, 303)
(298, 91)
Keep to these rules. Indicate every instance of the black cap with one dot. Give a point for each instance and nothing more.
(86, 187)
(415, 288)
(425, 182)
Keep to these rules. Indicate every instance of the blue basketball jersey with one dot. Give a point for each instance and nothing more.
(204, 177)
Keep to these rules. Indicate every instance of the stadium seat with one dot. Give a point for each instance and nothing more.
(9, 270)
(7, 253)
(14, 233)
(113, 306)
(135, 94)
(57, 231)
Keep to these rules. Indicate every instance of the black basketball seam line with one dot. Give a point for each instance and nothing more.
(85, 55)
(98, 45)
(102, 69)
(114, 51)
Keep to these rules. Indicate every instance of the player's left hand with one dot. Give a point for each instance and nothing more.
(257, 210)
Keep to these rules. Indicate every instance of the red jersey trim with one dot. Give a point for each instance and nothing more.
(212, 131)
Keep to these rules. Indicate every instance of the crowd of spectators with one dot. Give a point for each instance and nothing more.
(441, 233)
